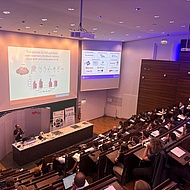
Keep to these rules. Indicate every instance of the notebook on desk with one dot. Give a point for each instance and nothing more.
(68, 181)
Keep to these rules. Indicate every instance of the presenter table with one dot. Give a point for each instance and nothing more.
(51, 142)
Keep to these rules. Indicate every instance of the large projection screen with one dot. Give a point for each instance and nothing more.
(36, 70)
(100, 65)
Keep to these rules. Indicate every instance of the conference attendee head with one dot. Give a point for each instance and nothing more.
(17, 126)
(123, 147)
(141, 185)
(156, 145)
(10, 181)
(172, 136)
(37, 173)
(145, 134)
(79, 180)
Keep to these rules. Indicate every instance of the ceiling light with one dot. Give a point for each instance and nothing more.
(164, 41)
(138, 26)
(171, 21)
(137, 9)
(72, 24)
(57, 27)
(55, 31)
(151, 30)
(94, 29)
(183, 26)
(121, 22)
(70, 9)
(44, 19)
(27, 27)
(41, 25)
(6, 12)
(156, 16)
(126, 34)
(112, 32)
(100, 16)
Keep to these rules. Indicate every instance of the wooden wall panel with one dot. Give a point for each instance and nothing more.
(183, 90)
(158, 84)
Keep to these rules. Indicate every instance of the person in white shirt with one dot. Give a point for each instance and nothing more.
(59, 164)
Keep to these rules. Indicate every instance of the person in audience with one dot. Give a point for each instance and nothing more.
(162, 130)
(79, 181)
(10, 182)
(18, 133)
(37, 173)
(141, 185)
(170, 139)
(75, 167)
(145, 136)
(152, 149)
(181, 107)
(118, 168)
(134, 140)
(59, 164)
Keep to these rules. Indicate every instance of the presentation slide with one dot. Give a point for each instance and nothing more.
(100, 64)
(37, 72)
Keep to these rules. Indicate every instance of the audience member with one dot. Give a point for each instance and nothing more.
(152, 149)
(37, 173)
(118, 168)
(59, 164)
(22, 187)
(10, 182)
(79, 181)
(141, 185)
(170, 139)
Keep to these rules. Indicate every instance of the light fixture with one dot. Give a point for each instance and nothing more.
(6, 12)
(164, 41)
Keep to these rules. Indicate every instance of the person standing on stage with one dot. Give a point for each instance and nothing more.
(18, 133)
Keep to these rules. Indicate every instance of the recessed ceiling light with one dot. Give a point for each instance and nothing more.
(126, 34)
(70, 30)
(164, 41)
(183, 26)
(120, 22)
(72, 24)
(188, 0)
(100, 16)
(163, 33)
(137, 9)
(70, 9)
(44, 19)
(138, 26)
(112, 32)
(55, 31)
(151, 30)
(41, 25)
(27, 27)
(56, 27)
(171, 21)
(94, 29)
(6, 12)
(156, 16)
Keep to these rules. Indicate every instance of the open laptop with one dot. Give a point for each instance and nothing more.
(68, 181)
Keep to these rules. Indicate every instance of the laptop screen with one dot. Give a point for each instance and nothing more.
(68, 181)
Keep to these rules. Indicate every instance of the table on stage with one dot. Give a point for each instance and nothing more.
(51, 142)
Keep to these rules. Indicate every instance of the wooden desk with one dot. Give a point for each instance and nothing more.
(68, 136)
(111, 156)
(139, 153)
(94, 156)
(181, 159)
